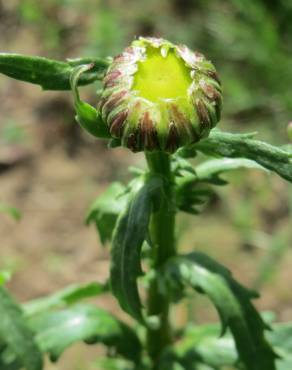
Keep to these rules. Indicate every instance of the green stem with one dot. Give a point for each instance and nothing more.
(162, 236)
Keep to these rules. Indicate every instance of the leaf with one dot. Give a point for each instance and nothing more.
(5, 275)
(189, 192)
(8, 364)
(12, 211)
(56, 331)
(209, 171)
(107, 363)
(225, 144)
(49, 74)
(281, 339)
(16, 335)
(106, 209)
(87, 116)
(201, 345)
(129, 235)
(67, 296)
(232, 302)
(180, 166)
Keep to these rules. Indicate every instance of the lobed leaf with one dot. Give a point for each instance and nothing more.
(56, 331)
(67, 296)
(232, 301)
(17, 336)
(225, 144)
(49, 74)
(130, 232)
(106, 209)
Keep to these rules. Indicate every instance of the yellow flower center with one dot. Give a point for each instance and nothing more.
(159, 78)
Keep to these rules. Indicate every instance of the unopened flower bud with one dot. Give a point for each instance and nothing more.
(160, 96)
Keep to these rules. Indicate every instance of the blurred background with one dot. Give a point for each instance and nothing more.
(50, 171)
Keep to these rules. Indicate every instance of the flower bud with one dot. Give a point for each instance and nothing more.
(160, 96)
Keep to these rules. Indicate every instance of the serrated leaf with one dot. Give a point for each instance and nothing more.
(56, 331)
(225, 144)
(232, 301)
(106, 208)
(49, 74)
(130, 232)
(67, 296)
(16, 335)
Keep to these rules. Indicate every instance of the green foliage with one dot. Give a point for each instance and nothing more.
(67, 296)
(49, 74)
(192, 187)
(281, 339)
(130, 232)
(87, 116)
(19, 345)
(107, 363)
(131, 215)
(56, 331)
(5, 276)
(225, 144)
(203, 345)
(106, 208)
(200, 345)
(230, 299)
(210, 171)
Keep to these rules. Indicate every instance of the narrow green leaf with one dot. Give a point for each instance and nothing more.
(233, 303)
(56, 331)
(17, 336)
(49, 74)
(129, 235)
(67, 296)
(225, 144)
(106, 208)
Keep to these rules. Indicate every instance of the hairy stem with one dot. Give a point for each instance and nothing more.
(162, 226)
